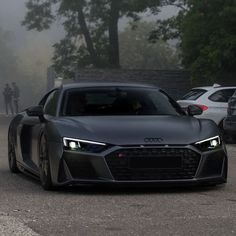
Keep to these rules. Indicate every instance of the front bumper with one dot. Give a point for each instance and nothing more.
(114, 167)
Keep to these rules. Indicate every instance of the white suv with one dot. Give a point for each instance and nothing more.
(212, 100)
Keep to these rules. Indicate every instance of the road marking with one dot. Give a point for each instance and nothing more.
(10, 226)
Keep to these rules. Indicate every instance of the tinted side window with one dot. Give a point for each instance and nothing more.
(45, 98)
(222, 95)
(50, 106)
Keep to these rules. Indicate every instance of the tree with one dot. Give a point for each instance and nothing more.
(137, 52)
(207, 35)
(91, 28)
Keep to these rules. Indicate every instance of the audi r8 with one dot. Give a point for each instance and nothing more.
(115, 133)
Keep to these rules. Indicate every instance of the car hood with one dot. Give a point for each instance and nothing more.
(137, 130)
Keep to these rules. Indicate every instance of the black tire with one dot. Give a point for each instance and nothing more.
(232, 139)
(225, 136)
(44, 165)
(12, 157)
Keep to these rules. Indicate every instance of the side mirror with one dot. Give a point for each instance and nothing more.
(194, 110)
(36, 111)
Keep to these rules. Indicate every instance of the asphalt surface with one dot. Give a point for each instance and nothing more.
(26, 209)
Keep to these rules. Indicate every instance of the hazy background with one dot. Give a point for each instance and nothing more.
(33, 50)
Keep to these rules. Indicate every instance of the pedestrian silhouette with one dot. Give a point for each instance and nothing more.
(7, 93)
(16, 96)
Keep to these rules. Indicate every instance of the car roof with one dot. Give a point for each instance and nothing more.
(105, 84)
(208, 88)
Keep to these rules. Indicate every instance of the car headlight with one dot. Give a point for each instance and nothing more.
(209, 144)
(72, 144)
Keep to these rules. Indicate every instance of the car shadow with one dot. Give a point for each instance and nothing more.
(108, 190)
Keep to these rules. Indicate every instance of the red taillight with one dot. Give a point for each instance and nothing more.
(203, 107)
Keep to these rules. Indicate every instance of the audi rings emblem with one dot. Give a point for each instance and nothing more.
(153, 140)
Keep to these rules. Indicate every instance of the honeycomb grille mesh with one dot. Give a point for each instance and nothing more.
(165, 164)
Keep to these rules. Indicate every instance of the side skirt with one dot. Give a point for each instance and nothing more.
(28, 171)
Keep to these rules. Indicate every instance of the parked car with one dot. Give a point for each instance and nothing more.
(230, 120)
(212, 100)
(114, 133)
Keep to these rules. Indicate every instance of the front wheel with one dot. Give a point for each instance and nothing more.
(225, 136)
(44, 165)
(231, 139)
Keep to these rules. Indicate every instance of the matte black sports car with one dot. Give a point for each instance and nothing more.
(108, 133)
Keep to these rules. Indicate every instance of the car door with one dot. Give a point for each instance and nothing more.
(31, 129)
(218, 104)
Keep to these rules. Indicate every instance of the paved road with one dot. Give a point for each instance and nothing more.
(25, 209)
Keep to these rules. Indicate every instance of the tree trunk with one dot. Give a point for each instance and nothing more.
(87, 36)
(114, 54)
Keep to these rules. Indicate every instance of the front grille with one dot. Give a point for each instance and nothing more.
(153, 164)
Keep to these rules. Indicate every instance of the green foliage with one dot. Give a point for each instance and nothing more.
(207, 35)
(137, 52)
(39, 16)
(91, 28)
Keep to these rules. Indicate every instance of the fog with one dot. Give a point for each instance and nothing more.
(32, 51)
(12, 13)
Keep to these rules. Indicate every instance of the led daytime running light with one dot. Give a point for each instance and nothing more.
(66, 140)
(210, 139)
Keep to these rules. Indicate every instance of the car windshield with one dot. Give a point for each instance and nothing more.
(194, 94)
(119, 101)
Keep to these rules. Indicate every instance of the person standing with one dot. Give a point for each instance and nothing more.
(16, 96)
(7, 93)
